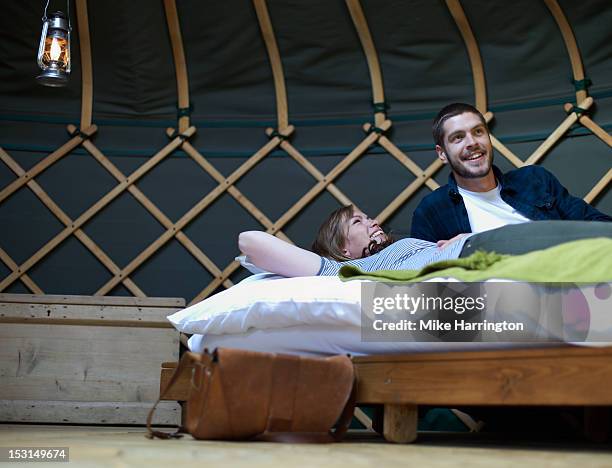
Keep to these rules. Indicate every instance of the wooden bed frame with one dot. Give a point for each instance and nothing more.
(572, 376)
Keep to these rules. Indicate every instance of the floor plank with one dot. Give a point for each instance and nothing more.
(124, 446)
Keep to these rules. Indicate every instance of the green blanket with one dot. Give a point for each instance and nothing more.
(581, 261)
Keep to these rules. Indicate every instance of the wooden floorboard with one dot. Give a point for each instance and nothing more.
(123, 446)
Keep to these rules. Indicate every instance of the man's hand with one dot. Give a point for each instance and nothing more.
(442, 244)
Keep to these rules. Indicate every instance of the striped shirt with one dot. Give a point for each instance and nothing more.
(405, 254)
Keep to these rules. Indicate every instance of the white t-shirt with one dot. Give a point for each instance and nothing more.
(487, 210)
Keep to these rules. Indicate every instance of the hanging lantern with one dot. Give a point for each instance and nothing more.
(54, 49)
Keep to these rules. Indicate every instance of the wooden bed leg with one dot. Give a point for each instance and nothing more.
(400, 423)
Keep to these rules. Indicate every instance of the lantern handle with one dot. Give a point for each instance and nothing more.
(68, 9)
(44, 18)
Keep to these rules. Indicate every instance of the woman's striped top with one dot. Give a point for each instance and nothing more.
(405, 254)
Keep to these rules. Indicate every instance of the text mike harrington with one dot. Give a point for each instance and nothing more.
(400, 304)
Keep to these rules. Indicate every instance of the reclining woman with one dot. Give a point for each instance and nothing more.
(349, 237)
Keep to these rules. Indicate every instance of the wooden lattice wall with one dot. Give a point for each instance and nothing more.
(279, 138)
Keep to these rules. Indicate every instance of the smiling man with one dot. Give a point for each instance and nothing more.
(478, 196)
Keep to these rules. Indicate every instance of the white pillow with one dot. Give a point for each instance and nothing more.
(279, 303)
(265, 276)
(246, 263)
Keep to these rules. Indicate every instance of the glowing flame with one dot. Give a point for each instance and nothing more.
(56, 50)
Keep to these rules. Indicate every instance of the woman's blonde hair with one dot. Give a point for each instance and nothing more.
(332, 236)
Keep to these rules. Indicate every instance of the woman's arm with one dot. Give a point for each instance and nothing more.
(277, 256)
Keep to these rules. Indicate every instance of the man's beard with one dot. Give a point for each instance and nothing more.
(462, 171)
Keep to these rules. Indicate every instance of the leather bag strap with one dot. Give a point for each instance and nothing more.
(186, 360)
(346, 416)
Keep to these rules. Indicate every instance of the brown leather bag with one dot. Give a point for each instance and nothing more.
(242, 395)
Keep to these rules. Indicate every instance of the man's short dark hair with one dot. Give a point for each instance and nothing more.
(456, 108)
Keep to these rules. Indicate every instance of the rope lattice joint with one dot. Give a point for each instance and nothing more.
(277, 134)
(183, 137)
(78, 133)
(578, 110)
(184, 111)
(582, 85)
(380, 107)
(374, 129)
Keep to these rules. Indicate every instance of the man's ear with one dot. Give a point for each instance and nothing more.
(346, 253)
(441, 154)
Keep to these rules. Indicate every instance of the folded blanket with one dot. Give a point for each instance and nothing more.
(581, 261)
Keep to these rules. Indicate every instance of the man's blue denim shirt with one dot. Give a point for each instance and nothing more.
(531, 190)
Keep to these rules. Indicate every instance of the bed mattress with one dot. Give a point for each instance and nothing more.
(312, 340)
(323, 316)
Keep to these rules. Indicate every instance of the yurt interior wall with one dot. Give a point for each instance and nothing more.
(216, 117)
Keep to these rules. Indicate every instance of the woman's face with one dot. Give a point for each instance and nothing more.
(360, 232)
